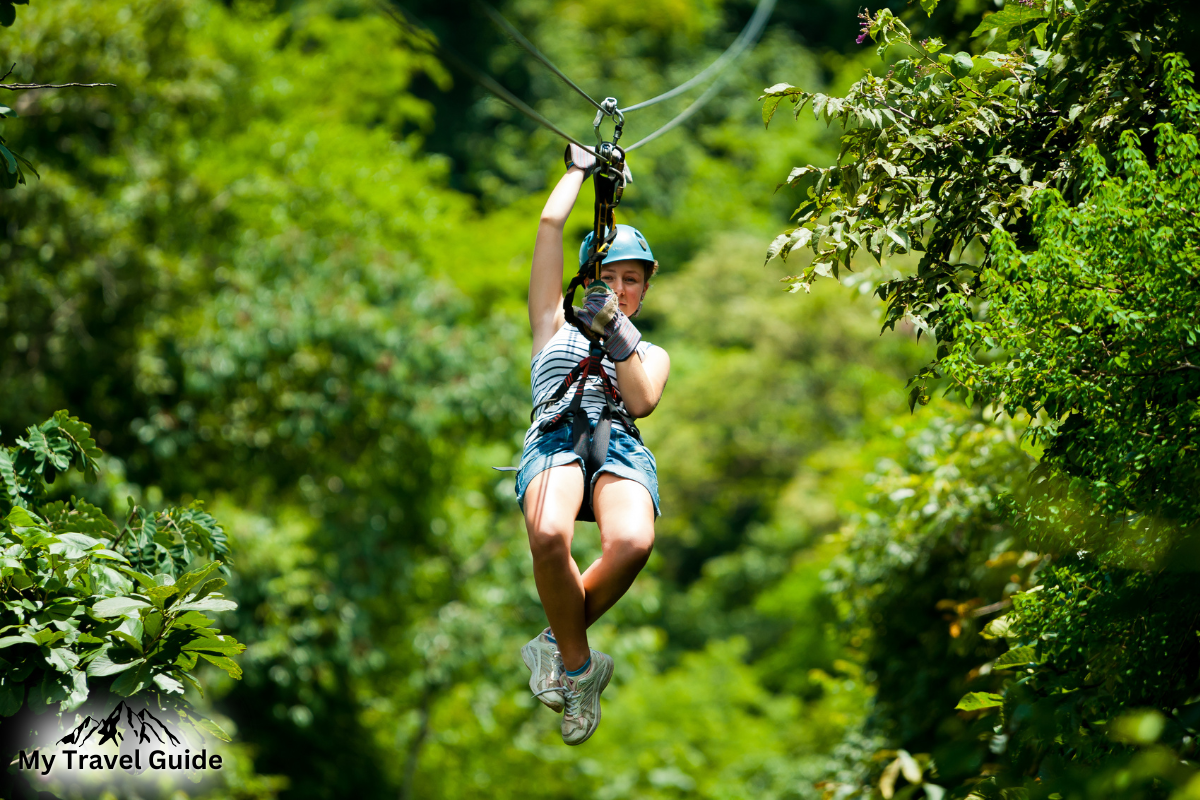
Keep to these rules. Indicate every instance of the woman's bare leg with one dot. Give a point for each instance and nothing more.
(551, 503)
(625, 514)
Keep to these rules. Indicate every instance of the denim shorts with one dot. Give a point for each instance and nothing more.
(627, 458)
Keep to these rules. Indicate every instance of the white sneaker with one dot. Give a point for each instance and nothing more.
(582, 696)
(545, 664)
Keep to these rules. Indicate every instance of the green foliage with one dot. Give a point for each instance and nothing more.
(8, 12)
(1099, 648)
(1092, 697)
(1098, 329)
(90, 608)
(947, 147)
(928, 559)
(1085, 686)
(12, 165)
(1047, 180)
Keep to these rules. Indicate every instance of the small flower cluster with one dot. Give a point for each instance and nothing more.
(865, 26)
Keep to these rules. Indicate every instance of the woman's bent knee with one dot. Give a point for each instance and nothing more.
(631, 544)
(549, 543)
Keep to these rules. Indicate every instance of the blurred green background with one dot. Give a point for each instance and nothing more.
(282, 268)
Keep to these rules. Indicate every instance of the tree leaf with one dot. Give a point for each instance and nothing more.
(1017, 657)
(10, 162)
(1011, 16)
(159, 594)
(61, 658)
(996, 629)
(216, 603)
(168, 684)
(769, 107)
(976, 701)
(187, 581)
(12, 696)
(780, 89)
(193, 619)
(1014, 164)
(887, 779)
(799, 238)
(80, 435)
(228, 664)
(21, 638)
(103, 665)
(79, 691)
(963, 62)
(213, 728)
(9, 476)
(776, 245)
(132, 681)
(21, 518)
(80, 517)
(118, 606)
(225, 645)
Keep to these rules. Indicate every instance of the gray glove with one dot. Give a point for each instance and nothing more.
(576, 156)
(601, 313)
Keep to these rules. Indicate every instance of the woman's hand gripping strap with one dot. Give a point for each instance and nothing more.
(576, 156)
(602, 315)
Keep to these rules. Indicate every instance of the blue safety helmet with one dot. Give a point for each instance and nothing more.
(629, 244)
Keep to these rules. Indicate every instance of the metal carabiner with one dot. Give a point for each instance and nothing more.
(608, 108)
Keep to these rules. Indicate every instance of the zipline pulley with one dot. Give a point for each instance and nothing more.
(608, 108)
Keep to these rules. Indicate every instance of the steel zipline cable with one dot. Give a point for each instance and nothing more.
(412, 26)
(682, 117)
(749, 35)
(507, 27)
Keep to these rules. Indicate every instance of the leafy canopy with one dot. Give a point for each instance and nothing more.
(89, 606)
(946, 147)
(1099, 328)
(972, 161)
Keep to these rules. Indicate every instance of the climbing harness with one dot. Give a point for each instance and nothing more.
(609, 180)
(590, 445)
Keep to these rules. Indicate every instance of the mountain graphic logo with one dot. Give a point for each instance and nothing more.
(143, 741)
(142, 726)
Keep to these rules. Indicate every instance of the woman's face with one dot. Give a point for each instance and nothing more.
(627, 279)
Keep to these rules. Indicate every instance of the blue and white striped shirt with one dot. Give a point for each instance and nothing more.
(552, 364)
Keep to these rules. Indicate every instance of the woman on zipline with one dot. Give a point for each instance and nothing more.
(567, 674)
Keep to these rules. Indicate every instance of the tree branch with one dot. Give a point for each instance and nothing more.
(22, 86)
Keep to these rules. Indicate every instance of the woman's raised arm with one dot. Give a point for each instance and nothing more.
(546, 274)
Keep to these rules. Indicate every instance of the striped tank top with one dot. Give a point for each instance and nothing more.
(550, 368)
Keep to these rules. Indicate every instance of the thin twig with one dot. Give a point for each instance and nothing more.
(21, 86)
(983, 611)
(133, 512)
(10, 69)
